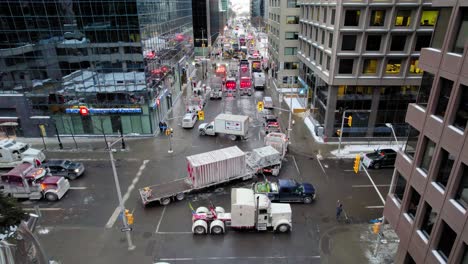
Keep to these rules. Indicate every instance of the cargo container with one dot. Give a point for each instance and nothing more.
(228, 124)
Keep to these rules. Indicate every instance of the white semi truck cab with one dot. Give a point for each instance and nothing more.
(248, 211)
(13, 153)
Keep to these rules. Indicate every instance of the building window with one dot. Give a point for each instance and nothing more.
(427, 155)
(393, 66)
(400, 187)
(290, 51)
(292, 4)
(422, 41)
(370, 66)
(403, 18)
(464, 259)
(332, 21)
(410, 147)
(321, 58)
(414, 202)
(445, 87)
(327, 66)
(446, 241)
(445, 167)
(429, 220)
(352, 18)
(398, 43)
(409, 259)
(373, 42)
(462, 34)
(425, 89)
(346, 66)
(285, 79)
(462, 193)
(414, 66)
(461, 116)
(349, 42)
(440, 29)
(325, 11)
(291, 65)
(377, 18)
(429, 18)
(292, 20)
(291, 35)
(330, 40)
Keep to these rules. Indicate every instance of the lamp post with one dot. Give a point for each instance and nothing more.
(394, 134)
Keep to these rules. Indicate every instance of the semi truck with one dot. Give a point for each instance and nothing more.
(216, 88)
(237, 125)
(27, 181)
(13, 153)
(248, 211)
(204, 170)
(286, 190)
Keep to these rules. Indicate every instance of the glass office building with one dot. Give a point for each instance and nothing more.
(124, 60)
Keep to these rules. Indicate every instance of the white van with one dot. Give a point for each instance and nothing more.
(267, 102)
(259, 80)
(189, 120)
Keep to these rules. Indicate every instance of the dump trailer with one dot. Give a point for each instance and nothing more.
(248, 211)
(203, 170)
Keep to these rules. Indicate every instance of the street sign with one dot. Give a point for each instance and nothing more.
(126, 229)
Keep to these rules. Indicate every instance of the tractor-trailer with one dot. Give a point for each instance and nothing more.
(237, 125)
(203, 170)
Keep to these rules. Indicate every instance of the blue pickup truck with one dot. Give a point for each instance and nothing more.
(286, 190)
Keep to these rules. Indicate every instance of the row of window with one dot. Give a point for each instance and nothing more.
(289, 3)
(371, 66)
(316, 55)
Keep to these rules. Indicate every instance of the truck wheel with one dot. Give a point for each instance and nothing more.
(308, 200)
(71, 177)
(282, 228)
(201, 210)
(165, 201)
(216, 230)
(202, 132)
(51, 197)
(199, 230)
(180, 196)
(219, 210)
(377, 166)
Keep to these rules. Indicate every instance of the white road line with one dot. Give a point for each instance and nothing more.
(78, 188)
(320, 163)
(295, 164)
(160, 220)
(237, 258)
(130, 159)
(375, 206)
(116, 212)
(370, 185)
(43, 209)
(348, 170)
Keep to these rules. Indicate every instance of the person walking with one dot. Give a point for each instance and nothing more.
(339, 210)
(164, 127)
(160, 127)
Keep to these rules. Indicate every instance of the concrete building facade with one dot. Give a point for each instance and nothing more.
(428, 206)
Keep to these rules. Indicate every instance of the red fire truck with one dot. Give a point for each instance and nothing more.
(231, 86)
(245, 80)
(221, 72)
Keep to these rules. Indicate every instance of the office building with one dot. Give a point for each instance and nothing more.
(257, 12)
(283, 40)
(428, 204)
(124, 60)
(357, 56)
(209, 19)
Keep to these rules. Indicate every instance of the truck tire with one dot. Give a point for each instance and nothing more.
(377, 166)
(283, 228)
(217, 227)
(71, 176)
(165, 201)
(219, 210)
(202, 210)
(308, 200)
(202, 132)
(51, 197)
(180, 196)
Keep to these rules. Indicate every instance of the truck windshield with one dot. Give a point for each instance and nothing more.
(23, 149)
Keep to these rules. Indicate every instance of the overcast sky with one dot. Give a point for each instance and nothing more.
(240, 5)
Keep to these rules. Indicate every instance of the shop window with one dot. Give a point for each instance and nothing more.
(377, 18)
(349, 42)
(445, 87)
(292, 19)
(427, 155)
(446, 241)
(445, 167)
(346, 66)
(291, 35)
(414, 202)
(290, 51)
(370, 66)
(462, 33)
(429, 18)
(400, 186)
(410, 147)
(373, 42)
(414, 66)
(403, 18)
(461, 115)
(425, 89)
(422, 41)
(352, 18)
(429, 220)
(462, 193)
(393, 66)
(398, 43)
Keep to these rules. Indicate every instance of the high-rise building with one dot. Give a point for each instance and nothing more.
(206, 34)
(124, 60)
(428, 205)
(257, 12)
(357, 56)
(283, 35)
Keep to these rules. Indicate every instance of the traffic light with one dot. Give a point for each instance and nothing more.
(129, 217)
(260, 106)
(84, 111)
(376, 228)
(350, 120)
(201, 115)
(357, 162)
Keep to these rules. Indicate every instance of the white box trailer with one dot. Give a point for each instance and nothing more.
(237, 125)
(258, 80)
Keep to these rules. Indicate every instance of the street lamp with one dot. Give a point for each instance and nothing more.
(394, 134)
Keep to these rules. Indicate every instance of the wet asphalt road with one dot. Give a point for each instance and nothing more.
(84, 228)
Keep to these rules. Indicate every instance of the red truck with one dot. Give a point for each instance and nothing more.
(245, 80)
(27, 181)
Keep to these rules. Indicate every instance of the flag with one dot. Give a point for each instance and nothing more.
(191, 208)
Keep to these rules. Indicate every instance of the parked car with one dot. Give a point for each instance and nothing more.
(65, 168)
(189, 120)
(380, 158)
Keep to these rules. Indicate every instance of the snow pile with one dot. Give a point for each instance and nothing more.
(350, 151)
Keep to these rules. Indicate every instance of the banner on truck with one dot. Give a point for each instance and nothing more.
(232, 125)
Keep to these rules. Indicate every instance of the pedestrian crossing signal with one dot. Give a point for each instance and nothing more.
(201, 115)
(357, 162)
(260, 106)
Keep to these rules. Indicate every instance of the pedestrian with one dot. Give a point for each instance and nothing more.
(339, 210)
(164, 127)
(160, 126)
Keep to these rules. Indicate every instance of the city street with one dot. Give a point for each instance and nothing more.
(88, 214)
